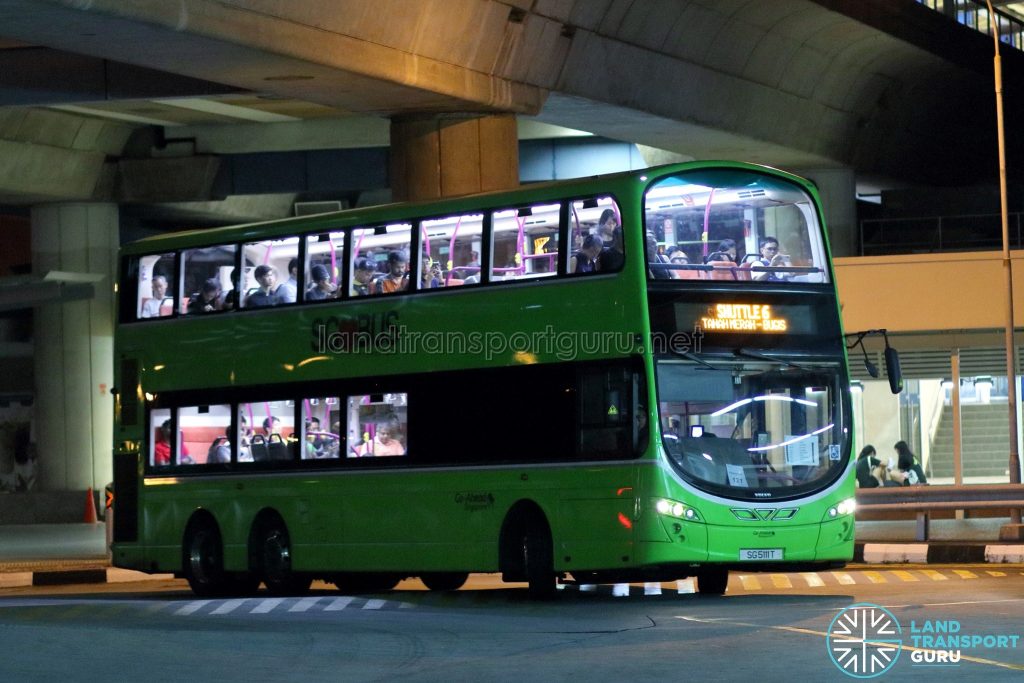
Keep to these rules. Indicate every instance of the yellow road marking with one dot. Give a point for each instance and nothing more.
(812, 579)
(964, 574)
(874, 577)
(934, 575)
(781, 581)
(750, 583)
(844, 578)
(992, 573)
(903, 575)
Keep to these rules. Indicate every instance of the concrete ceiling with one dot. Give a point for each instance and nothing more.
(793, 83)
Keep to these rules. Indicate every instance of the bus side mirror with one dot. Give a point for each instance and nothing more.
(892, 369)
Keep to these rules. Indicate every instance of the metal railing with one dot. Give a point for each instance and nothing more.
(923, 500)
(974, 14)
(926, 234)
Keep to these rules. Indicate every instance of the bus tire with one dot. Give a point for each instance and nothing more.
(713, 581)
(203, 560)
(275, 555)
(444, 581)
(538, 561)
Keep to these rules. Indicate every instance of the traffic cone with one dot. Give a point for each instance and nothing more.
(90, 507)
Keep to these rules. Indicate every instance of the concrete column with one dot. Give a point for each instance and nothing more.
(447, 155)
(74, 347)
(838, 190)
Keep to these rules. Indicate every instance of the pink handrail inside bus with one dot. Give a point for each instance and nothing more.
(334, 260)
(451, 251)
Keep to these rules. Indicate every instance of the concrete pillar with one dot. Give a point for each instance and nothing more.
(447, 155)
(74, 347)
(838, 190)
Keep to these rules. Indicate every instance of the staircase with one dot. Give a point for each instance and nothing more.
(985, 438)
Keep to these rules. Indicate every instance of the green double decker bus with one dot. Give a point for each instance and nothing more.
(622, 378)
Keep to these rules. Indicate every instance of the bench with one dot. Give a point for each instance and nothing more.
(922, 500)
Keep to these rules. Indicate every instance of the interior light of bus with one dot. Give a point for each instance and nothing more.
(781, 397)
(158, 368)
(150, 397)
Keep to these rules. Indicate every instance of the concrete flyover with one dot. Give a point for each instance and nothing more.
(884, 87)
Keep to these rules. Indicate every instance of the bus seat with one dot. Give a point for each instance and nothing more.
(276, 449)
(724, 270)
(686, 274)
(259, 450)
(166, 307)
(743, 271)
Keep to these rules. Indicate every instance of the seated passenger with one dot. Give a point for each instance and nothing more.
(151, 308)
(220, 449)
(385, 442)
(289, 289)
(430, 274)
(397, 279)
(726, 251)
(322, 287)
(585, 260)
(266, 295)
(207, 299)
(654, 259)
(229, 299)
(363, 271)
(771, 258)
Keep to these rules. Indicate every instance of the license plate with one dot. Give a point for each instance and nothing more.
(760, 554)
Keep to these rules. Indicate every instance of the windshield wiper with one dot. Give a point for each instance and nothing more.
(690, 355)
(774, 359)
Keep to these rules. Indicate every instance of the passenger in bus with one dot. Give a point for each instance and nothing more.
(384, 442)
(162, 447)
(430, 274)
(726, 251)
(612, 258)
(289, 289)
(654, 258)
(244, 440)
(207, 299)
(220, 449)
(585, 260)
(605, 225)
(266, 295)
(363, 271)
(397, 279)
(770, 257)
(229, 299)
(322, 287)
(271, 425)
(151, 307)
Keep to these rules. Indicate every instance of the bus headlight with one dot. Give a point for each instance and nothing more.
(845, 507)
(673, 508)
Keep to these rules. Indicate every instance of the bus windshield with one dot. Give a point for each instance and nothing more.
(753, 430)
(732, 225)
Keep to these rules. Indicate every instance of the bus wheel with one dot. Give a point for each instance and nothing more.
(204, 561)
(712, 581)
(276, 562)
(538, 561)
(444, 581)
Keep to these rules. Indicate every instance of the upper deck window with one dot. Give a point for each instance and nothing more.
(155, 286)
(525, 242)
(270, 273)
(325, 254)
(207, 280)
(733, 225)
(380, 259)
(595, 227)
(450, 251)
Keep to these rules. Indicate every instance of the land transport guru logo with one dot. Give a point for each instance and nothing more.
(864, 640)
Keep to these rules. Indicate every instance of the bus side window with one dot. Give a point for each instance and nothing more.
(377, 425)
(271, 274)
(450, 251)
(156, 286)
(525, 243)
(204, 433)
(160, 437)
(321, 424)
